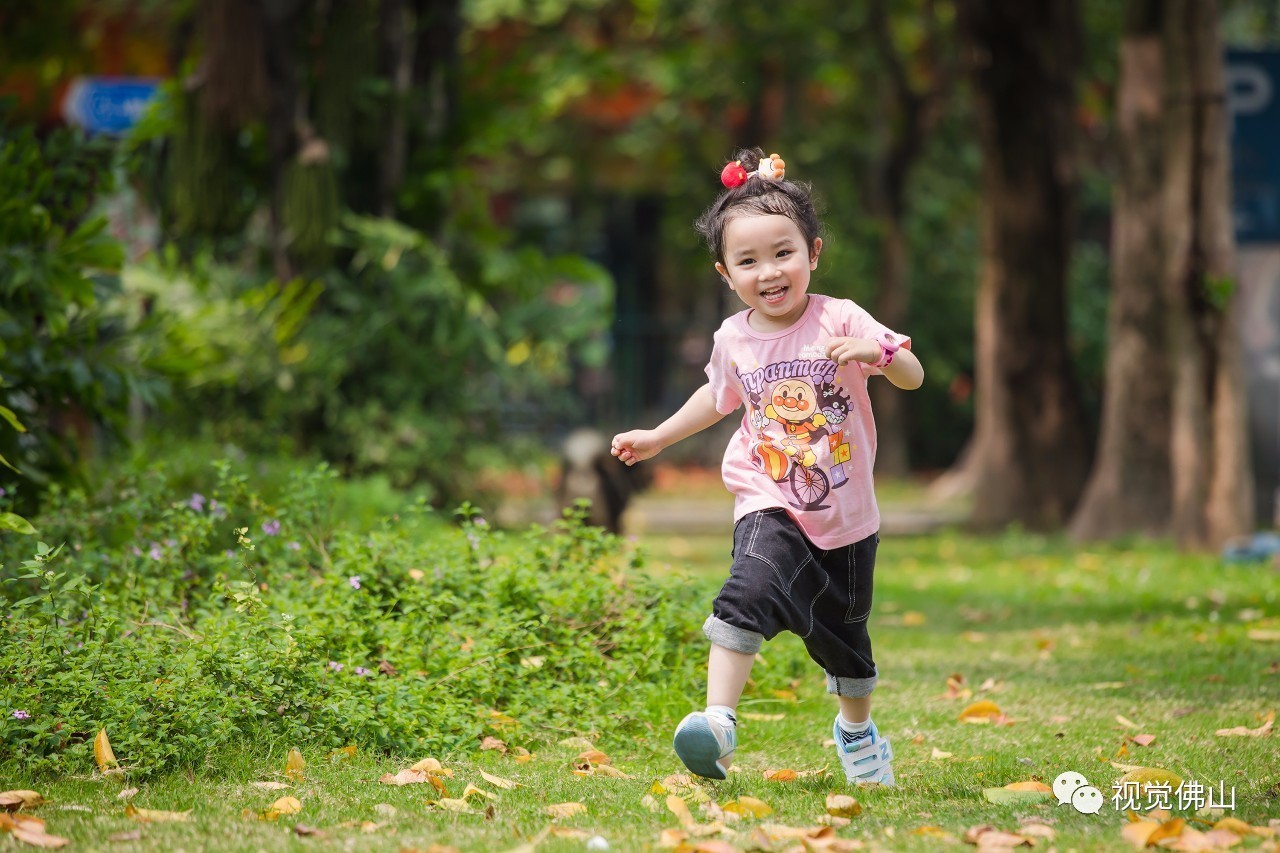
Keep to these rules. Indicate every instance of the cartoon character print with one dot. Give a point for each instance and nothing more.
(835, 402)
(795, 406)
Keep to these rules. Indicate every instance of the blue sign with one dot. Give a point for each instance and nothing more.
(108, 104)
(1253, 83)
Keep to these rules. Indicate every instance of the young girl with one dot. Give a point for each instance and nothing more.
(805, 516)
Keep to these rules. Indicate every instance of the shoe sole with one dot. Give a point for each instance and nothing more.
(697, 747)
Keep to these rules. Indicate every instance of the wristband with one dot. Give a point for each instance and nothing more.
(888, 346)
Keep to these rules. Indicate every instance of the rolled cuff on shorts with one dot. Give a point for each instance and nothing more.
(854, 688)
(721, 633)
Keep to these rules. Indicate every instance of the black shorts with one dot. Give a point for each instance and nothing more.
(780, 581)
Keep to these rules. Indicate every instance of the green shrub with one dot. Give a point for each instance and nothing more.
(185, 625)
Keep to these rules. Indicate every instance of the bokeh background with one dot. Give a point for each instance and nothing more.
(426, 240)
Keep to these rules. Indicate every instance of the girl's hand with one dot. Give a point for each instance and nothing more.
(844, 350)
(636, 445)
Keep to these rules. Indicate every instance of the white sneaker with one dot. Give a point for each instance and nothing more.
(868, 759)
(703, 741)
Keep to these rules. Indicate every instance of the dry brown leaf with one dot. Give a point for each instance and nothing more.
(939, 754)
(405, 777)
(521, 755)
(781, 775)
(1030, 785)
(270, 786)
(748, 807)
(671, 838)
(453, 805)
(982, 711)
(491, 742)
(931, 832)
(34, 834)
(122, 837)
(1168, 829)
(971, 834)
(293, 765)
(1145, 776)
(680, 809)
(343, 752)
(843, 805)
(560, 810)
(778, 832)
(1244, 731)
(1137, 832)
(1234, 824)
(155, 815)
(472, 789)
(127, 793)
(429, 765)
(609, 771)
(1000, 840)
(498, 781)
(1037, 830)
(502, 720)
(14, 800)
(1126, 722)
(8, 822)
(1214, 839)
(594, 756)
(102, 752)
(1264, 635)
(304, 831)
(713, 846)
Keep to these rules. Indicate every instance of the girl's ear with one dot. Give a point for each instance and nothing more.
(724, 274)
(814, 252)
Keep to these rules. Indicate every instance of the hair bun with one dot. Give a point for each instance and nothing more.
(749, 158)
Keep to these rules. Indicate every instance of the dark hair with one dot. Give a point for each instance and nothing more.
(759, 197)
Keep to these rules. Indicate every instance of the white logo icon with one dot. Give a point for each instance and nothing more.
(1066, 784)
(1087, 800)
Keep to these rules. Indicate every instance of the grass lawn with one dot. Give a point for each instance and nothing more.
(1083, 651)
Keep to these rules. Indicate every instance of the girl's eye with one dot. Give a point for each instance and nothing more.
(784, 253)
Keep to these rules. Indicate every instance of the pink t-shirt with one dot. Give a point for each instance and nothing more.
(807, 442)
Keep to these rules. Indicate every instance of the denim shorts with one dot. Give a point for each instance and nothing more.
(780, 581)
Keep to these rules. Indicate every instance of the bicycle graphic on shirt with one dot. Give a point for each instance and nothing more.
(796, 464)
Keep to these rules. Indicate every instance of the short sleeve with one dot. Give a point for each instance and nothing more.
(857, 322)
(722, 378)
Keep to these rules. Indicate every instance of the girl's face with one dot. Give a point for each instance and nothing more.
(767, 263)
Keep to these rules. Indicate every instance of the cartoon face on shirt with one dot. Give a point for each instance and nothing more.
(795, 400)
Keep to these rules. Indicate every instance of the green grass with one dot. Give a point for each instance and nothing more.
(1070, 638)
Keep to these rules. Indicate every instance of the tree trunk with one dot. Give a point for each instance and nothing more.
(1129, 488)
(280, 27)
(396, 28)
(1029, 445)
(1212, 485)
(893, 299)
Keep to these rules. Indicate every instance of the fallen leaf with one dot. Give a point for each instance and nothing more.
(1005, 796)
(14, 800)
(304, 831)
(534, 662)
(386, 810)
(121, 837)
(939, 754)
(270, 786)
(671, 838)
(155, 815)
(594, 756)
(287, 805)
(1263, 635)
(1145, 776)
(982, 711)
(126, 793)
(405, 777)
(1137, 832)
(1144, 740)
(521, 755)
(500, 719)
(569, 832)
(578, 743)
(913, 619)
(472, 789)
(680, 809)
(102, 752)
(9, 822)
(560, 810)
(833, 820)
(37, 837)
(1030, 785)
(748, 807)
(1168, 829)
(454, 805)
(1126, 722)
(609, 771)
(1000, 840)
(293, 765)
(1037, 830)
(781, 775)
(1245, 731)
(498, 781)
(762, 718)
(432, 766)
(491, 742)
(931, 832)
(345, 752)
(843, 805)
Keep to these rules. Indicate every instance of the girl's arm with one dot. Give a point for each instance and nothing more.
(698, 413)
(905, 371)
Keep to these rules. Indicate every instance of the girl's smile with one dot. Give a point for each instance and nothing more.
(768, 265)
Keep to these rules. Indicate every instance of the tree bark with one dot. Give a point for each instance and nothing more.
(1212, 484)
(1129, 488)
(280, 26)
(1030, 443)
(396, 27)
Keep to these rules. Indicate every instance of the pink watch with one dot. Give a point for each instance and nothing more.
(888, 346)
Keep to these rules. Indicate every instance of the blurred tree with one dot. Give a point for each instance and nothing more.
(1030, 448)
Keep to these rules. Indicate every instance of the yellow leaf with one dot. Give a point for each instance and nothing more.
(1168, 829)
(14, 800)
(913, 619)
(611, 772)
(595, 756)
(939, 754)
(1126, 722)
(1030, 785)
(680, 809)
(672, 838)
(498, 781)
(35, 835)
(293, 765)
(1244, 731)
(431, 765)
(748, 807)
(578, 743)
(984, 710)
(501, 719)
(560, 810)
(762, 718)
(521, 755)
(343, 752)
(287, 805)
(154, 815)
(472, 789)
(1234, 824)
(405, 777)
(102, 752)
(842, 805)
(781, 775)
(453, 805)
(270, 786)
(1144, 776)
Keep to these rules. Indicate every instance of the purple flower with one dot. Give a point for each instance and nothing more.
(271, 528)
(354, 580)
(21, 715)
(229, 554)
(335, 666)
(3, 493)
(361, 671)
(294, 546)
(155, 553)
(217, 510)
(136, 552)
(197, 502)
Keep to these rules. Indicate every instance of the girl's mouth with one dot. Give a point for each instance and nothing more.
(774, 295)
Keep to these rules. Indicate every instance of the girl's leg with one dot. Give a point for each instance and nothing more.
(855, 710)
(727, 673)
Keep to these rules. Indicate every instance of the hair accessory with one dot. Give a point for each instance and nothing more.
(733, 175)
(888, 346)
(772, 168)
